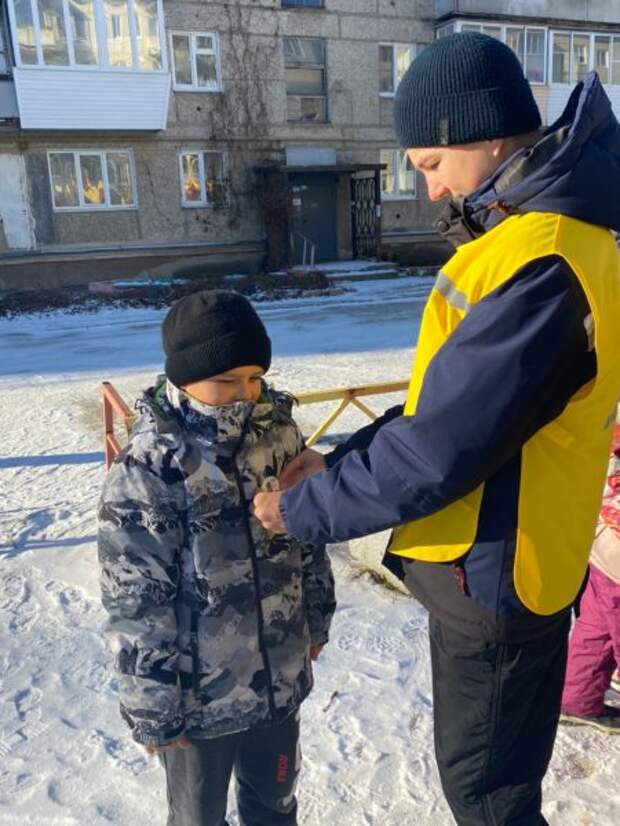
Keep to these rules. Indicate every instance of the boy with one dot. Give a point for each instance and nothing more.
(213, 621)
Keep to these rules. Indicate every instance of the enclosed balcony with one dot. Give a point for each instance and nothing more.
(89, 64)
(552, 11)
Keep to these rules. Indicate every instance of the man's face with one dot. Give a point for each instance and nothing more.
(456, 171)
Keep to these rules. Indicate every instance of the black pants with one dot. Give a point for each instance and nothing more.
(496, 710)
(266, 764)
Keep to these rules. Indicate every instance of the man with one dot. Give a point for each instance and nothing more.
(493, 476)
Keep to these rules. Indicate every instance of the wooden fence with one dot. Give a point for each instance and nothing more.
(114, 408)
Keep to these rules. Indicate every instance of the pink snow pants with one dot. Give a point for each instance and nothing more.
(594, 647)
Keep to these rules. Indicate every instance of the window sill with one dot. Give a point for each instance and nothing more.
(94, 210)
(310, 122)
(390, 199)
(389, 95)
(202, 205)
(201, 90)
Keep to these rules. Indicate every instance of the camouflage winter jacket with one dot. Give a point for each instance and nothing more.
(210, 617)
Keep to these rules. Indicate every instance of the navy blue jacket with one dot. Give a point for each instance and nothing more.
(511, 367)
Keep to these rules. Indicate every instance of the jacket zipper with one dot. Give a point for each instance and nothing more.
(259, 605)
(195, 658)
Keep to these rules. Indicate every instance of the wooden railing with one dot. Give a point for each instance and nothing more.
(115, 408)
(347, 396)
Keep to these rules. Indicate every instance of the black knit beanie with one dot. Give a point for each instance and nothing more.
(461, 89)
(210, 332)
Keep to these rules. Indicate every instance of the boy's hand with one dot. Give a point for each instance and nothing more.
(180, 743)
(315, 651)
(307, 463)
(266, 508)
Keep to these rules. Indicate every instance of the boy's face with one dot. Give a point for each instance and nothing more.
(240, 384)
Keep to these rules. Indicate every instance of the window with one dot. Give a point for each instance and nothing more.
(398, 180)
(84, 30)
(306, 88)
(202, 179)
(195, 61)
(574, 54)
(92, 180)
(122, 34)
(527, 43)
(444, 31)
(394, 60)
(53, 33)
(5, 61)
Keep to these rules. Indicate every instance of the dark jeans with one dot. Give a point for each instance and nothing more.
(496, 711)
(266, 764)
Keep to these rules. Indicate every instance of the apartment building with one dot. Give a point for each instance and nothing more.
(187, 135)
(167, 136)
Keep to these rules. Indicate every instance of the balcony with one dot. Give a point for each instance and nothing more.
(90, 65)
(583, 11)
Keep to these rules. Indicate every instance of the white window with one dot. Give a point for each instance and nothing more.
(195, 61)
(202, 179)
(394, 60)
(4, 55)
(574, 54)
(528, 43)
(92, 180)
(398, 180)
(124, 34)
(306, 84)
(444, 31)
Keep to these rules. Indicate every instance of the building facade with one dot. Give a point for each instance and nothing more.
(169, 136)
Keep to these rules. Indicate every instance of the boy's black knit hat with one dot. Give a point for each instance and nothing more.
(464, 88)
(210, 332)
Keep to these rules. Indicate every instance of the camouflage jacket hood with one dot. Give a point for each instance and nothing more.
(210, 617)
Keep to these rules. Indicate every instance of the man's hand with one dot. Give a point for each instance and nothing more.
(180, 743)
(307, 463)
(315, 651)
(266, 508)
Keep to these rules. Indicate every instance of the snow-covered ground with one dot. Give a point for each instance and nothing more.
(65, 757)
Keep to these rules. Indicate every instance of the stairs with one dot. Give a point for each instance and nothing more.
(357, 270)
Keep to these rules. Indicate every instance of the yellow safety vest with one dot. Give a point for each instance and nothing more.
(563, 465)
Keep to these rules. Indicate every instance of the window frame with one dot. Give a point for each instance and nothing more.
(103, 63)
(414, 50)
(306, 65)
(592, 35)
(299, 4)
(204, 202)
(480, 24)
(102, 153)
(397, 195)
(5, 42)
(193, 86)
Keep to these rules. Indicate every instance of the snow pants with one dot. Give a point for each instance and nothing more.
(496, 712)
(266, 764)
(594, 648)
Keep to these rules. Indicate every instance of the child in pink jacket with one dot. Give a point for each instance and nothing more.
(594, 649)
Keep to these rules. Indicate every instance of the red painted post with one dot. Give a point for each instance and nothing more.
(112, 404)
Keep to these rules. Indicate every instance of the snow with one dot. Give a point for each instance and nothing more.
(66, 757)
